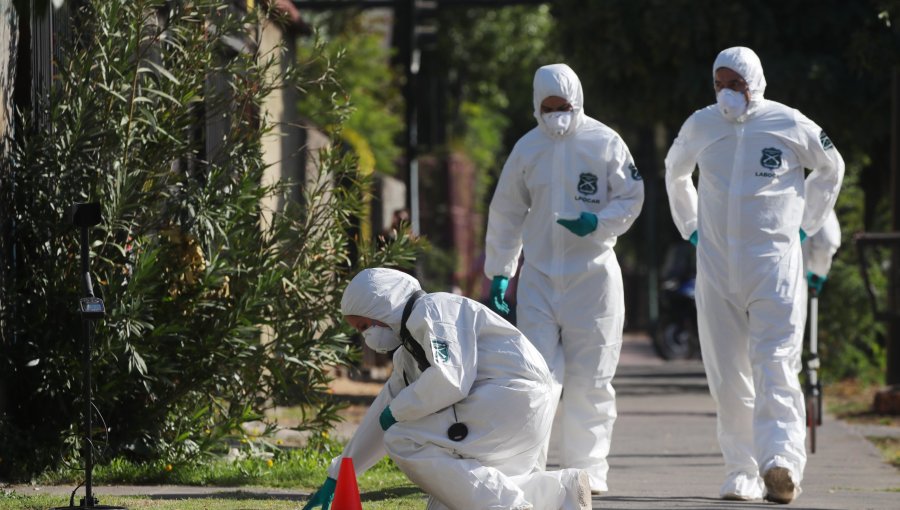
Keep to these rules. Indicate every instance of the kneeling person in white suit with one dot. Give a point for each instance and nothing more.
(467, 408)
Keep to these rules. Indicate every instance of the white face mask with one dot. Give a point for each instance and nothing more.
(558, 122)
(381, 339)
(732, 104)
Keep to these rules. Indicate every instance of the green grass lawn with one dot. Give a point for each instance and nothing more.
(381, 488)
(398, 500)
(301, 470)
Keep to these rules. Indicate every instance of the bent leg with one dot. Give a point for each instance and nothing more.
(507, 425)
(544, 490)
(456, 482)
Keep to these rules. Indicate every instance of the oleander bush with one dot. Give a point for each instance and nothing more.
(214, 311)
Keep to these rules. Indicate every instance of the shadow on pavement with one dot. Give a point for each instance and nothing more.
(239, 495)
(665, 455)
(377, 495)
(701, 414)
(396, 492)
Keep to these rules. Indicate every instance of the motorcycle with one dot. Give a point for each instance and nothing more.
(675, 335)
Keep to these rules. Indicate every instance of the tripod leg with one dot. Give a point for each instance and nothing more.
(88, 443)
(811, 422)
(819, 407)
(813, 392)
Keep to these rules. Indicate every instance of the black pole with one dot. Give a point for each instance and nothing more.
(86, 368)
(86, 286)
(91, 308)
(411, 55)
(412, 126)
(648, 152)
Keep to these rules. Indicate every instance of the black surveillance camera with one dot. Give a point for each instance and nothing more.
(85, 214)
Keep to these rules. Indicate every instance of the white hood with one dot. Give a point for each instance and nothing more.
(747, 64)
(379, 293)
(561, 81)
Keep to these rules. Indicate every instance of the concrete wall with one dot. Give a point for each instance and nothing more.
(8, 50)
(274, 112)
(391, 197)
(9, 35)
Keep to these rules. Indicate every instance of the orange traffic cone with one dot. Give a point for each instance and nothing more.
(346, 494)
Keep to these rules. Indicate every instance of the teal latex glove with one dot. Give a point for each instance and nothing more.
(695, 237)
(498, 293)
(323, 496)
(815, 281)
(803, 235)
(387, 418)
(584, 225)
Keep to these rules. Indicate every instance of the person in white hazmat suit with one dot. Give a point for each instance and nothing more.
(752, 210)
(819, 250)
(567, 190)
(466, 408)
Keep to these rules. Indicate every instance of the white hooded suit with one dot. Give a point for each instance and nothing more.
(485, 374)
(752, 201)
(570, 298)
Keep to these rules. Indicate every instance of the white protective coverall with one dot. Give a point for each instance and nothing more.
(570, 295)
(750, 290)
(819, 249)
(485, 374)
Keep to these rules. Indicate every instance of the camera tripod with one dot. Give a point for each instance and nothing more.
(91, 309)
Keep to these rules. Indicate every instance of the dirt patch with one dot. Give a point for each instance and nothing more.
(852, 402)
(350, 387)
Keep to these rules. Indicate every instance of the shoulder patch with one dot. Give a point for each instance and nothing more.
(441, 351)
(634, 172)
(826, 142)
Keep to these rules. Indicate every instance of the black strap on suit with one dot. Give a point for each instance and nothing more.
(409, 343)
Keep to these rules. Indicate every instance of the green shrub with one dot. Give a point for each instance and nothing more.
(368, 94)
(212, 314)
(851, 341)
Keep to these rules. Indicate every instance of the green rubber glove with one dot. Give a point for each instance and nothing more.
(584, 225)
(815, 281)
(387, 418)
(498, 294)
(695, 238)
(323, 496)
(803, 235)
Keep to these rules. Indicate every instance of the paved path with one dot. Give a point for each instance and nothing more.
(664, 453)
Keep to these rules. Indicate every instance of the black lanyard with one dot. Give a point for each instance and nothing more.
(409, 343)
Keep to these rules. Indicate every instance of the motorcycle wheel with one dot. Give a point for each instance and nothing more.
(675, 340)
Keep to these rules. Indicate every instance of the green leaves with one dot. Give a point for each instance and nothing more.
(366, 99)
(213, 314)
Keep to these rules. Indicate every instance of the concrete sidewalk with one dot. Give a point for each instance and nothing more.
(665, 454)
(664, 451)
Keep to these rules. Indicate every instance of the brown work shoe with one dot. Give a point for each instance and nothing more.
(780, 487)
